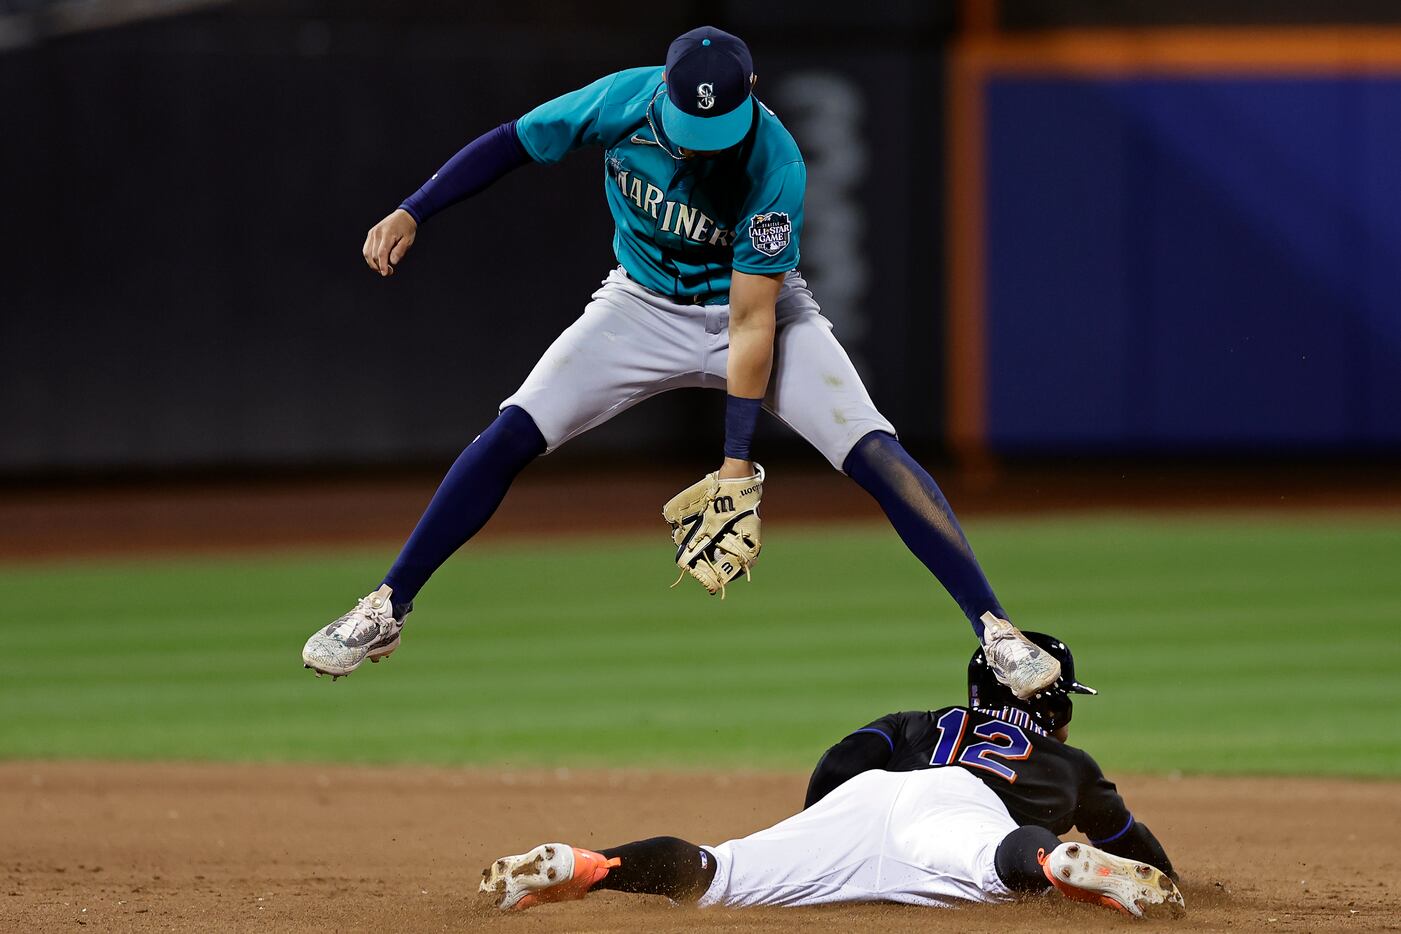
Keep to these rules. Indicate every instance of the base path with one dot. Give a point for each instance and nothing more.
(136, 847)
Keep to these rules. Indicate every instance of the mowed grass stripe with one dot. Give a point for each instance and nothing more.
(1221, 645)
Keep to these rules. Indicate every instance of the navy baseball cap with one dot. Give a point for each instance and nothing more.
(708, 77)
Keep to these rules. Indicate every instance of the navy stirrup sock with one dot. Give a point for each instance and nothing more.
(467, 497)
(660, 866)
(922, 517)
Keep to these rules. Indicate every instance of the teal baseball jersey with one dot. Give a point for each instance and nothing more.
(681, 225)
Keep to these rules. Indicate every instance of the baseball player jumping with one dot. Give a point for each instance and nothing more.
(927, 808)
(706, 190)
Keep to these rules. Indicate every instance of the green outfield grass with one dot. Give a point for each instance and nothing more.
(1219, 645)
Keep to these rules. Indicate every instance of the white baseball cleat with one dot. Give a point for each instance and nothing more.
(1088, 874)
(552, 872)
(1022, 665)
(370, 630)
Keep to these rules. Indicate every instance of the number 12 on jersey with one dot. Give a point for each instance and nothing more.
(999, 741)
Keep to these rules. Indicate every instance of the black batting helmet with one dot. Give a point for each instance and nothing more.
(1051, 708)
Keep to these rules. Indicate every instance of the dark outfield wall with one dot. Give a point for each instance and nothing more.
(185, 202)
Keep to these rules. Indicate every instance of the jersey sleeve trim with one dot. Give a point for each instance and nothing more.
(762, 270)
(1116, 836)
(881, 734)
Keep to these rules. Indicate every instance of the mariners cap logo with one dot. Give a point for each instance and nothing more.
(707, 106)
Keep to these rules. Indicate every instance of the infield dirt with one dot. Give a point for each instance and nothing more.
(159, 847)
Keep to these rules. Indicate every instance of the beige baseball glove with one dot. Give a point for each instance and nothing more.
(715, 525)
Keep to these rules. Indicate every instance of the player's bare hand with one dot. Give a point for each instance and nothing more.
(388, 241)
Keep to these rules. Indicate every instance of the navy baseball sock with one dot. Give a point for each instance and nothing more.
(466, 498)
(660, 866)
(1018, 862)
(922, 517)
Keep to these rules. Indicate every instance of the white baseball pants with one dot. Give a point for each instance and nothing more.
(924, 838)
(631, 343)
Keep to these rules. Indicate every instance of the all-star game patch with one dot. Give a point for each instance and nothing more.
(771, 233)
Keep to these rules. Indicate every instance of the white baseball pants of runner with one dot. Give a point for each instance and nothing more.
(631, 343)
(923, 838)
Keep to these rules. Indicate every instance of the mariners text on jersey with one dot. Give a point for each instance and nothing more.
(676, 217)
(681, 225)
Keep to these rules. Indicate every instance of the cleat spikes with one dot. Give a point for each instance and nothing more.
(551, 872)
(1088, 874)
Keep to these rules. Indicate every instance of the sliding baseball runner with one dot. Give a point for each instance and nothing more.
(960, 804)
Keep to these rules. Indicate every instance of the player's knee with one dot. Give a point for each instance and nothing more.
(515, 431)
(675, 846)
(868, 449)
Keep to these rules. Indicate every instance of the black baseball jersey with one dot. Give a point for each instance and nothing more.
(1042, 781)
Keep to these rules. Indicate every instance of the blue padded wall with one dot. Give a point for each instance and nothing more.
(1190, 262)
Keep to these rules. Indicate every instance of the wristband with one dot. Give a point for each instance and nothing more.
(741, 416)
